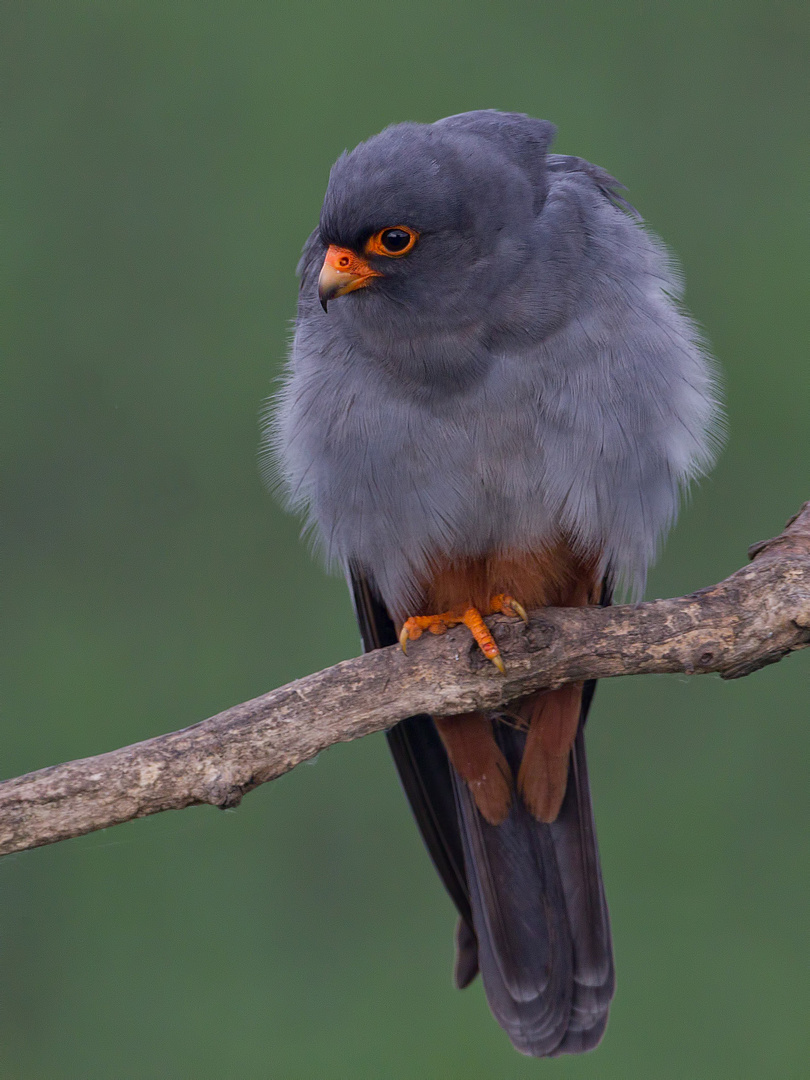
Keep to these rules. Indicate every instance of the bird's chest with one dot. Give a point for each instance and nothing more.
(460, 474)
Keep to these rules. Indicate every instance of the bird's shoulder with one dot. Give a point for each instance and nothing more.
(566, 166)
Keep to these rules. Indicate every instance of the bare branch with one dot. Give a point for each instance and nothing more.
(755, 617)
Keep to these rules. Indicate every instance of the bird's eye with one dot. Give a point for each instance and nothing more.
(392, 242)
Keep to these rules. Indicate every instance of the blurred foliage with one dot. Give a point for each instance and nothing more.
(162, 165)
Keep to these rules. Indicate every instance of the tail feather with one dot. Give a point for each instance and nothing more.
(577, 856)
(524, 951)
(530, 897)
(540, 916)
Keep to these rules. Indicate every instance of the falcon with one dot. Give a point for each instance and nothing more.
(494, 402)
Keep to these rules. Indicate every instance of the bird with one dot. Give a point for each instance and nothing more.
(494, 401)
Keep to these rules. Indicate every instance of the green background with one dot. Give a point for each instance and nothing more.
(162, 165)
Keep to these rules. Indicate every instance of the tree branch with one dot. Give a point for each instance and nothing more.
(753, 618)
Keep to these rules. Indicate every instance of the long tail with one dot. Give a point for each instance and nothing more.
(533, 916)
(539, 915)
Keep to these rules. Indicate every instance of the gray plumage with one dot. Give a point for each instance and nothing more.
(525, 373)
(526, 370)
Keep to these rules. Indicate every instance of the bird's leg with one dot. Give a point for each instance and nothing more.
(414, 627)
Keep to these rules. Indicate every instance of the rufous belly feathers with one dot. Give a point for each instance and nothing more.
(556, 576)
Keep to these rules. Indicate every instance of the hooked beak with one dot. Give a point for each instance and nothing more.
(342, 272)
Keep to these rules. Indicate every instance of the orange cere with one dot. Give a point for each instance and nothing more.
(346, 269)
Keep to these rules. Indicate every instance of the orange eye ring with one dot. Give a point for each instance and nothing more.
(393, 242)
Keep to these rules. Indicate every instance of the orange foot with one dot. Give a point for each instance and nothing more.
(504, 604)
(414, 627)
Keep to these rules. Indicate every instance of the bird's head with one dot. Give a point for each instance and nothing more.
(429, 229)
